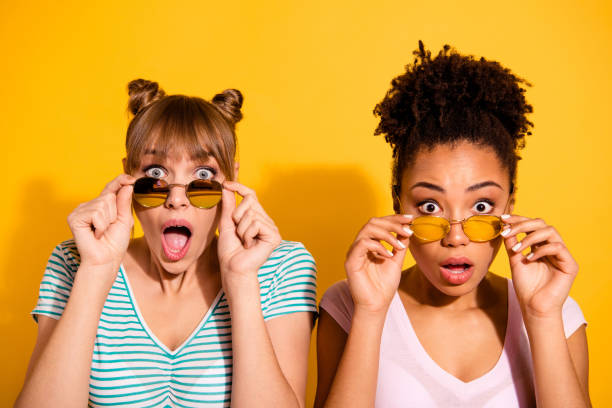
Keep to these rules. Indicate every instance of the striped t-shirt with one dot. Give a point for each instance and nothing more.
(132, 368)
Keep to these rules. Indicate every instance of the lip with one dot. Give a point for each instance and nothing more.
(453, 277)
(170, 255)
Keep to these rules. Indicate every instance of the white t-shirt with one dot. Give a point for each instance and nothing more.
(408, 377)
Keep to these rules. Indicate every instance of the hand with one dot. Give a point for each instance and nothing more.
(247, 235)
(543, 278)
(373, 272)
(102, 227)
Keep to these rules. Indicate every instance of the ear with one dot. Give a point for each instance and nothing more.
(124, 161)
(236, 168)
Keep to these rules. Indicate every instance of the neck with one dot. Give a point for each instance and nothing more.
(420, 289)
(204, 271)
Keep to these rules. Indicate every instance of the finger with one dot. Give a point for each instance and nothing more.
(244, 223)
(115, 184)
(514, 257)
(398, 224)
(260, 231)
(363, 246)
(537, 237)
(98, 223)
(553, 249)
(122, 206)
(228, 205)
(525, 226)
(381, 234)
(235, 186)
(249, 203)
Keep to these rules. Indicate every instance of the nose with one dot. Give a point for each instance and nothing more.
(177, 197)
(455, 237)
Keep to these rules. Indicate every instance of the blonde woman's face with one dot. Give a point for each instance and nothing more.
(455, 183)
(176, 232)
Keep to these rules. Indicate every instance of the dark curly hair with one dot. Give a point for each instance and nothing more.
(452, 98)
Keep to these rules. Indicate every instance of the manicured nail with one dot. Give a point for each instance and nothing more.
(505, 216)
(407, 215)
(390, 253)
(516, 247)
(401, 245)
(505, 232)
(529, 256)
(408, 230)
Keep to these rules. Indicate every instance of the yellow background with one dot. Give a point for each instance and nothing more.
(311, 72)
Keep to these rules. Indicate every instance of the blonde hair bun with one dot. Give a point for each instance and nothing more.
(143, 93)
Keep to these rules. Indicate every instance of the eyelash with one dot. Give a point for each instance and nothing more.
(484, 200)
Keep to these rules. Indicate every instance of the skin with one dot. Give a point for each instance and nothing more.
(474, 313)
(173, 296)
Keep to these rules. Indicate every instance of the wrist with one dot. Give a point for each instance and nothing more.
(369, 314)
(240, 283)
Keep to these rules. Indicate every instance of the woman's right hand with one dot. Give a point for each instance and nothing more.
(102, 227)
(373, 272)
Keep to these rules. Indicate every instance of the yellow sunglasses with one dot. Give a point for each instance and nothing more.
(478, 228)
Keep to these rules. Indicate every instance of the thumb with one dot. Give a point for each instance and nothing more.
(124, 202)
(228, 205)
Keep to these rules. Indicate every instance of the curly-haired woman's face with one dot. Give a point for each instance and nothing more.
(455, 183)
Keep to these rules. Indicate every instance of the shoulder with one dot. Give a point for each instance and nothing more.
(288, 255)
(65, 257)
(337, 301)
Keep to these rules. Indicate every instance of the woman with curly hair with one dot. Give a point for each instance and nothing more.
(183, 316)
(447, 331)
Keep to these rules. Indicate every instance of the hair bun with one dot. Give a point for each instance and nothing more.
(229, 103)
(142, 93)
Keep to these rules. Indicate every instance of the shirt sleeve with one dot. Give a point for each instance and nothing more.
(57, 281)
(337, 301)
(572, 317)
(293, 287)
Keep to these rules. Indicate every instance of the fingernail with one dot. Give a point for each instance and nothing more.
(505, 232)
(407, 215)
(516, 247)
(530, 255)
(505, 216)
(390, 253)
(408, 230)
(401, 245)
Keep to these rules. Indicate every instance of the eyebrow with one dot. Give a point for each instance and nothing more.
(474, 187)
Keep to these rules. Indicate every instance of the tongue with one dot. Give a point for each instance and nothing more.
(175, 240)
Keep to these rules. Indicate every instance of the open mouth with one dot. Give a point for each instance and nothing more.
(457, 268)
(176, 237)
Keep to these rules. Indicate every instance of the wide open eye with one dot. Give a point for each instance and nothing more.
(483, 207)
(205, 173)
(429, 207)
(156, 172)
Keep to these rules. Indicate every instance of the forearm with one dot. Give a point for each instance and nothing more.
(257, 379)
(59, 376)
(553, 367)
(357, 374)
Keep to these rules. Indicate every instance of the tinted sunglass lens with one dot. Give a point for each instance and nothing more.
(481, 228)
(428, 228)
(204, 193)
(150, 192)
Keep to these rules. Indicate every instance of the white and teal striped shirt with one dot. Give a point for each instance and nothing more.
(132, 368)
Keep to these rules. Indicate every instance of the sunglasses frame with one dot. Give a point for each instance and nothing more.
(185, 186)
(449, 223)
(462, 222)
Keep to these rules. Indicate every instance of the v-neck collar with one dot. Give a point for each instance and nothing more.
(152, 336)
(428, 363)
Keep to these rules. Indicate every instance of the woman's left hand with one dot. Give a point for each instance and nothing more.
(247, 235)
(542, 279)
